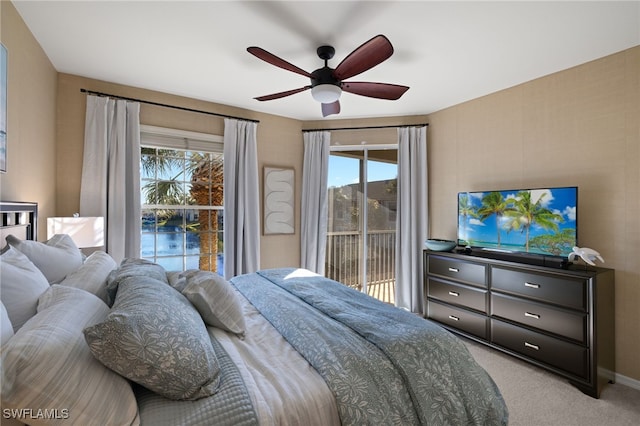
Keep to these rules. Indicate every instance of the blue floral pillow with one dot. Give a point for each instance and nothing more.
(155, 337)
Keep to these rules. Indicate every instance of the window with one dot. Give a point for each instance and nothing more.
(182, 192)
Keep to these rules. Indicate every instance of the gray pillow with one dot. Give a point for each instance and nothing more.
(92, 274)
(6, 328)
(56, 258)
(21, 284)
(132, 267)
(155, 337)
(216, 300)
(47, 365)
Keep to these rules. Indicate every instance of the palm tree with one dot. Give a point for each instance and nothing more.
(493, 204)
(205, 189)
(467, 211)
(526, 212)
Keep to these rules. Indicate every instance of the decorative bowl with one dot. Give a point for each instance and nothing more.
(440, 245)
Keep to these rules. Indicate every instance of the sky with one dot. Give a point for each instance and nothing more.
(344, 171)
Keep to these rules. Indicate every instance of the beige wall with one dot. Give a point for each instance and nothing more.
(31, 99)
(577, 127)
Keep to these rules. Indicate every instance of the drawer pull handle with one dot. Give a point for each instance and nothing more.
(532, 285)
(454, 270)
(529, 345)
(451, 317)
(530, 315)
(453, 293)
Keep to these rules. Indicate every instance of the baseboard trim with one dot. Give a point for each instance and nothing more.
(627, 381)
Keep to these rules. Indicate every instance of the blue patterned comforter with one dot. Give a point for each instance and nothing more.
(384, 365)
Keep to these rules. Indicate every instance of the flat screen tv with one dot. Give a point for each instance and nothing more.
(540, 221)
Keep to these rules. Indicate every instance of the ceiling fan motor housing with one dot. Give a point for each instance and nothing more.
(324, 75)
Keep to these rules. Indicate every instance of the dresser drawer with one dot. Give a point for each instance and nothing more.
(545, 317)
(564, 291)
(555, 352)
(457, 294)
(457, 318)
(468, 272)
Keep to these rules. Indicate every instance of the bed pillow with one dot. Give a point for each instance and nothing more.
(92, 274)
(48, 365)
(6, 331)
(177, 279)
(216, 300)
(21, 284)
(56, 258)
(132, 267)
(156, 338)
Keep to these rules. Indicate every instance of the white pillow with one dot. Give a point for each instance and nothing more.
(216, 300)
(92, 274)
(56, 258)
(21, 283)
(47, 364)
(6, 329)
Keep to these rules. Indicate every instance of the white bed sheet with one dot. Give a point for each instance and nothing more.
(285, 389)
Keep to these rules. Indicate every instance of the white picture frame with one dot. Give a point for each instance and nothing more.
(279, 200)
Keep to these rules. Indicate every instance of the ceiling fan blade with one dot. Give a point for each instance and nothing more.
(274, 60)
(375, 90)
(365, 57)
(332, 108)
(282, 94)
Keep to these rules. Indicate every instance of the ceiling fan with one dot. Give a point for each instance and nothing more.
(328, 83)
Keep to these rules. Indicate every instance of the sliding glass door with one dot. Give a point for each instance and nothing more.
(361, 227)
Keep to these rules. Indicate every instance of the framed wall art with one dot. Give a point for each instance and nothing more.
(279, 201)
(3, 108)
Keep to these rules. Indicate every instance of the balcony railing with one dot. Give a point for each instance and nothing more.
(344, 262)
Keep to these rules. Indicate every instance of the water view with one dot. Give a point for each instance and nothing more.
(174, 249)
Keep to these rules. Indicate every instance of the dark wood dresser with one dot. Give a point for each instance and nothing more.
(558, 319)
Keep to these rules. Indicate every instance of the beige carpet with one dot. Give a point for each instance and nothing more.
(536, 397)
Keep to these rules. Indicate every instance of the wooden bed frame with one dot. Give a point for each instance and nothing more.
(19, 219)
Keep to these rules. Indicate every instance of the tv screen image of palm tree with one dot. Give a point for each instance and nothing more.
(541, 221)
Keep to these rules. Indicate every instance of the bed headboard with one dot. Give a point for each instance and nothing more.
(19, 219)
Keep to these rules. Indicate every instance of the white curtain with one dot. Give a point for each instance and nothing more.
(110, 184)
(313, 224)
(412, 220)
(241, 198)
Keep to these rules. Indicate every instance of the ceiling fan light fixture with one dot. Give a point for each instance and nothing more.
(326, 93)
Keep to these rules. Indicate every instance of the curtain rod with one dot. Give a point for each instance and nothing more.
(364, 128)
(91, 92)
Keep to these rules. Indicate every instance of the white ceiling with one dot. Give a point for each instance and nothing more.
(447, 52)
